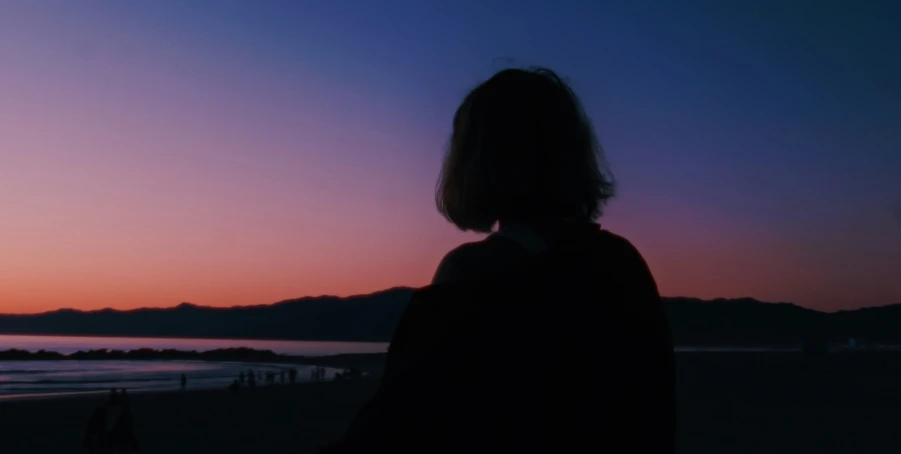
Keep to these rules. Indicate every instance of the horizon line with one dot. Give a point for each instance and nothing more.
(390, 289)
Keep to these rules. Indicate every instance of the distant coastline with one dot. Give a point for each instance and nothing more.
(368, 362)
(222, 354)
(743, 322)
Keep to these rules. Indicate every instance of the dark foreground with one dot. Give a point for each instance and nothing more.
(729, 402)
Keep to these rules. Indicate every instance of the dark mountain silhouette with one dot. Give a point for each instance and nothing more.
(373, 317)
(747, 321)
(358, 318)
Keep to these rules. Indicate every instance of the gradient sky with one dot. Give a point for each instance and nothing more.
(244, 152)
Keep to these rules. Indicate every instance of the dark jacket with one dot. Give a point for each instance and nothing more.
(568, 352)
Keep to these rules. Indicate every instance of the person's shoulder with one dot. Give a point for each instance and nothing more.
(468, 261)
(617, 242)
(621, 248)
(460, 262)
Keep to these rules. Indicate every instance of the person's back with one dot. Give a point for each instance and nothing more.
(549, 290)
(465, 365)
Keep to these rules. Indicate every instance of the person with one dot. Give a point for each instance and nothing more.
(184, 381)
(110, 428)
(548, 282)
(251, 379)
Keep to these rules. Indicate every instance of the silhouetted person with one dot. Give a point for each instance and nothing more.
(815, 350)
(184, 381)
(292, 375)
(251, 379)
(241, 378)
(113, 398)
(550, 283)
(110, 429)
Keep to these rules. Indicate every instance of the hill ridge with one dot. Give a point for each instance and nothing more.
(372, 317)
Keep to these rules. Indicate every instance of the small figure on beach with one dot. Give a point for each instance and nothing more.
(251, 379)
(110, 429)
(184, 381)
(241, 378)
(292, 375)
(814, 351)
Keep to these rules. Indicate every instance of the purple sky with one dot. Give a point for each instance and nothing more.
(237, 152)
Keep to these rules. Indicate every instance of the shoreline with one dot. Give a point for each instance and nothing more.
(735, 402)
(373, 365)
(370, 363)
(93, 394)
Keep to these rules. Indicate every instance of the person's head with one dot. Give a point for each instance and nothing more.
(522, 148)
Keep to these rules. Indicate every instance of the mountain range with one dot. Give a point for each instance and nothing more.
(372, 317)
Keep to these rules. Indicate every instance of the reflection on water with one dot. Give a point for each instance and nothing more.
(35, 377)
(67, 376)
(71, 344)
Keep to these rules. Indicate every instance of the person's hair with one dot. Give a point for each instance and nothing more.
(522, 148)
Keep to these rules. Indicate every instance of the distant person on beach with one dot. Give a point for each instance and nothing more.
(110, 429)
(292, 375)
(547, 284)
(251, 379)
(184, 381)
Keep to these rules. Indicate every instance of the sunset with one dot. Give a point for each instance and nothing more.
(236, 153)
(264, 191)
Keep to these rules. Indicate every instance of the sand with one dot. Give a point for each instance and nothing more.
(280, 419)
(729, 403)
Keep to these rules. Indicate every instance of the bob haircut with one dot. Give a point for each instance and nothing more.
(522, 149)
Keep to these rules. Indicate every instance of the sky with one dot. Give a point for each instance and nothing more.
(236, 152)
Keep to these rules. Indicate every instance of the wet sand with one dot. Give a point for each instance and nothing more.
(729, 403)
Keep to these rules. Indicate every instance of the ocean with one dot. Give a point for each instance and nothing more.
(21, 378)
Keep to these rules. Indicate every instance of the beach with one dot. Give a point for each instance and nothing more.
(748, 402)
(278, 419)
